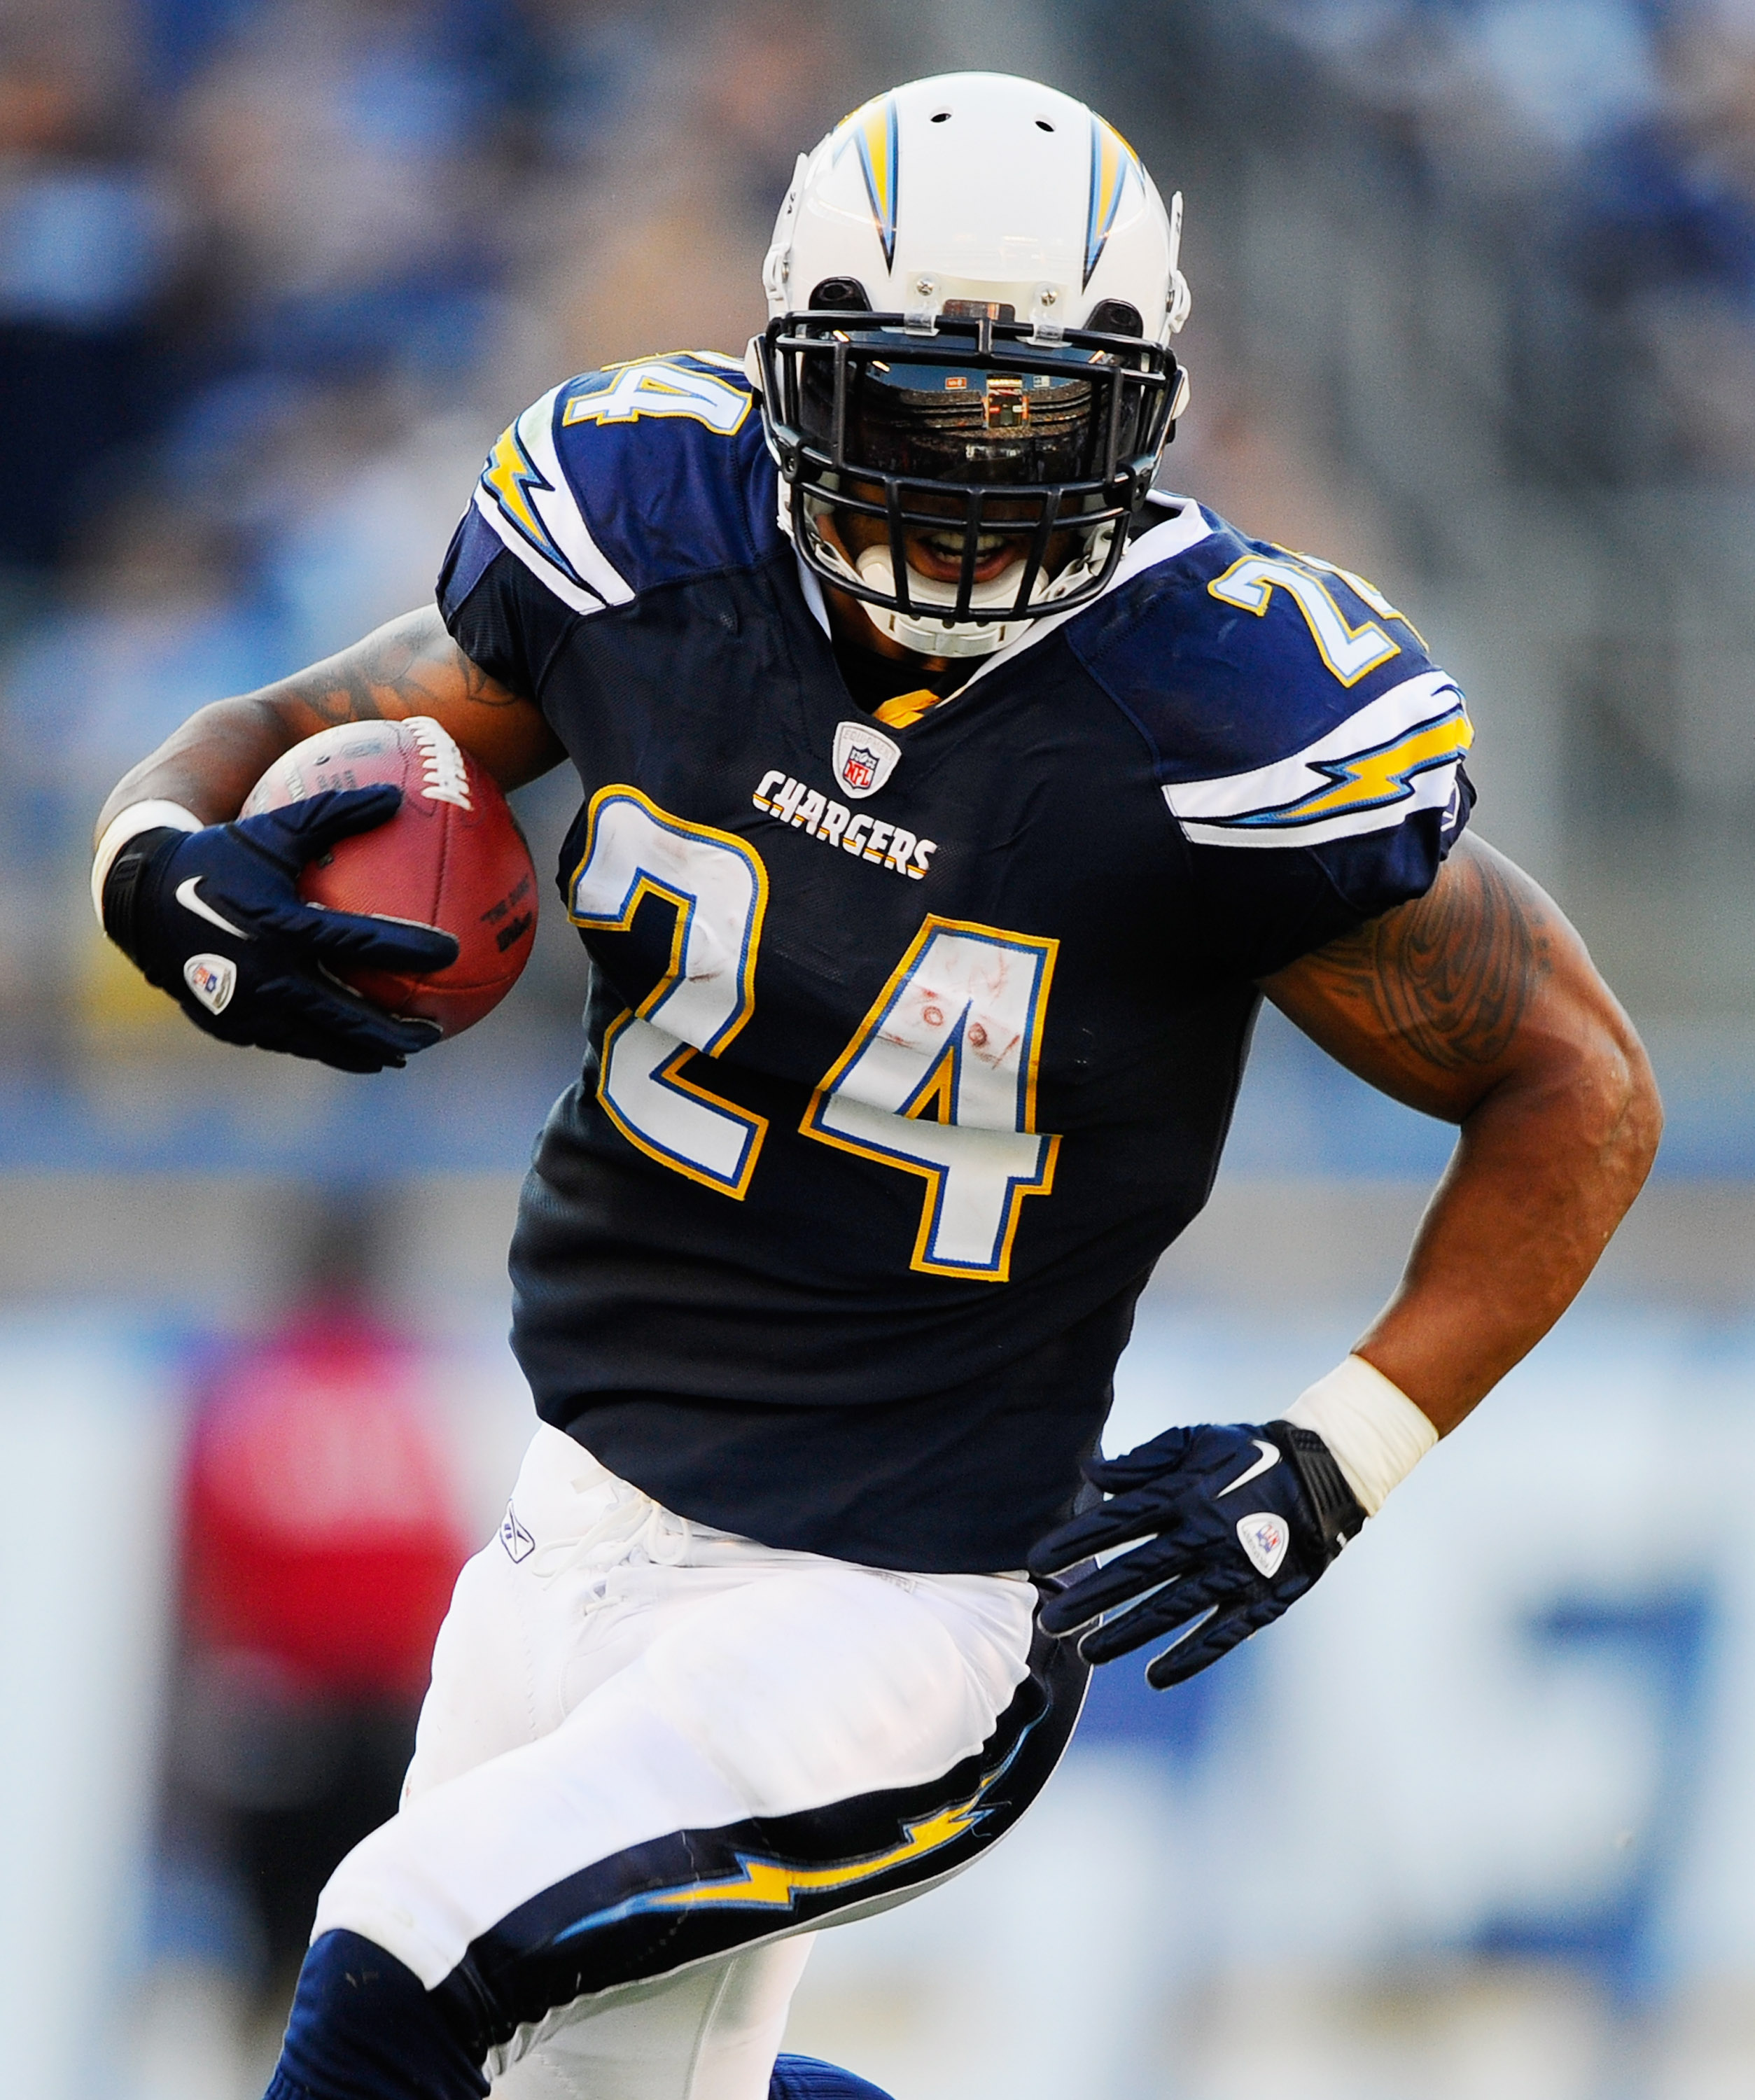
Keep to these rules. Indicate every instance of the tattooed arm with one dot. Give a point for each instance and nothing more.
(409, 667)
(1478, 1003)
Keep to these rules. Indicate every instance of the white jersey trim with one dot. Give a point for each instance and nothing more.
(525, 496)
(1370, 773)
(811, 584)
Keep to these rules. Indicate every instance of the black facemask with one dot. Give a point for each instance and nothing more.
(868, 415)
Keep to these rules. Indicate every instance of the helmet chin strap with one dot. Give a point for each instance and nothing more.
(952, 637)
(942, 637)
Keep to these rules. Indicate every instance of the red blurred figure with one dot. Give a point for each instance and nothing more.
(319, 1526)
(320, 1542)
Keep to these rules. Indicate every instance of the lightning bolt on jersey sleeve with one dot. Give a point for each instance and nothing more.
(577, 511)
(1309, 751)
(910, 1044)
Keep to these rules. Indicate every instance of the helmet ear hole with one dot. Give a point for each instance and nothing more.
(1116, 317)
(840, 294)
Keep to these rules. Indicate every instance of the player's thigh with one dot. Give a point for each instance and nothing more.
(534, 1624)
(711, 2033)
(484, 1697)
(806, 1686)
(822, 1716)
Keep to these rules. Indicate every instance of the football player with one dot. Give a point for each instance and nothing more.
(950, 800)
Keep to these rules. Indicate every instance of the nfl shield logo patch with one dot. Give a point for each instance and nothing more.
(213, 979)
(1264, 1538)
(864, 759)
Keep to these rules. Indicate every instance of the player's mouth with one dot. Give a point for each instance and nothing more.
(939, 555)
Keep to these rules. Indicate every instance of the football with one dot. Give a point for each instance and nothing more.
(452, 856)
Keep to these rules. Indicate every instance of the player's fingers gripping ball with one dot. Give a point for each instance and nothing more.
(451, 857)
(1226, 1528)
(213, 916)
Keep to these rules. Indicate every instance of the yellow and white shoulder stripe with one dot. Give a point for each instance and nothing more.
(524, 495)
(1369, 773)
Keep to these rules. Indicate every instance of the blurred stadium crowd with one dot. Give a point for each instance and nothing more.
(1486, 268)
(272, 274)
(1475, 310)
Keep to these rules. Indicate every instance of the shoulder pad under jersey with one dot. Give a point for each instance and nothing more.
(1286, 702)
(619, 481)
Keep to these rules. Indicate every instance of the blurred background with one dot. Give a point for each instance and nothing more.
(1475, 314)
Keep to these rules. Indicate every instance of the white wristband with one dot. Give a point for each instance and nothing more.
(138, 817)
(1377, 1434)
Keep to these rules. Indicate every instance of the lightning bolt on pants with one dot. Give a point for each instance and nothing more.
(653, 1758)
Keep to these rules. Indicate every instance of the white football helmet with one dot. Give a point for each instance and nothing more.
(972, 289)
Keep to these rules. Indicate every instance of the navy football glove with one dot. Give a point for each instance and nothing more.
(215, 918)
(1237, 1521)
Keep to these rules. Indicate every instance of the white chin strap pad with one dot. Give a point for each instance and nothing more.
(951, 638)
(941, 638)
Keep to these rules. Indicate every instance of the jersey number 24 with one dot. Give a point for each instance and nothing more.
(939, 1080)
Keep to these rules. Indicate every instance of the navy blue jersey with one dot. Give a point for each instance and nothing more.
(912, 1041)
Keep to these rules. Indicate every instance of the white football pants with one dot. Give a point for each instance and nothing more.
(655, 1755)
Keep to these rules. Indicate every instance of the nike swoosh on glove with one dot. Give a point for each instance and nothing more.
(1236, 1522)
(215, 918)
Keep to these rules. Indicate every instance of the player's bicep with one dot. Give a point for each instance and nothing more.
(1439, 999)
(411, 666)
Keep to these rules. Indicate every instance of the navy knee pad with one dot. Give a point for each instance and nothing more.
(364, 2027)
(805, 2078)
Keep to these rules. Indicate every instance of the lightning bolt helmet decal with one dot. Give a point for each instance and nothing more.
(873, 131)
(1111, 156)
